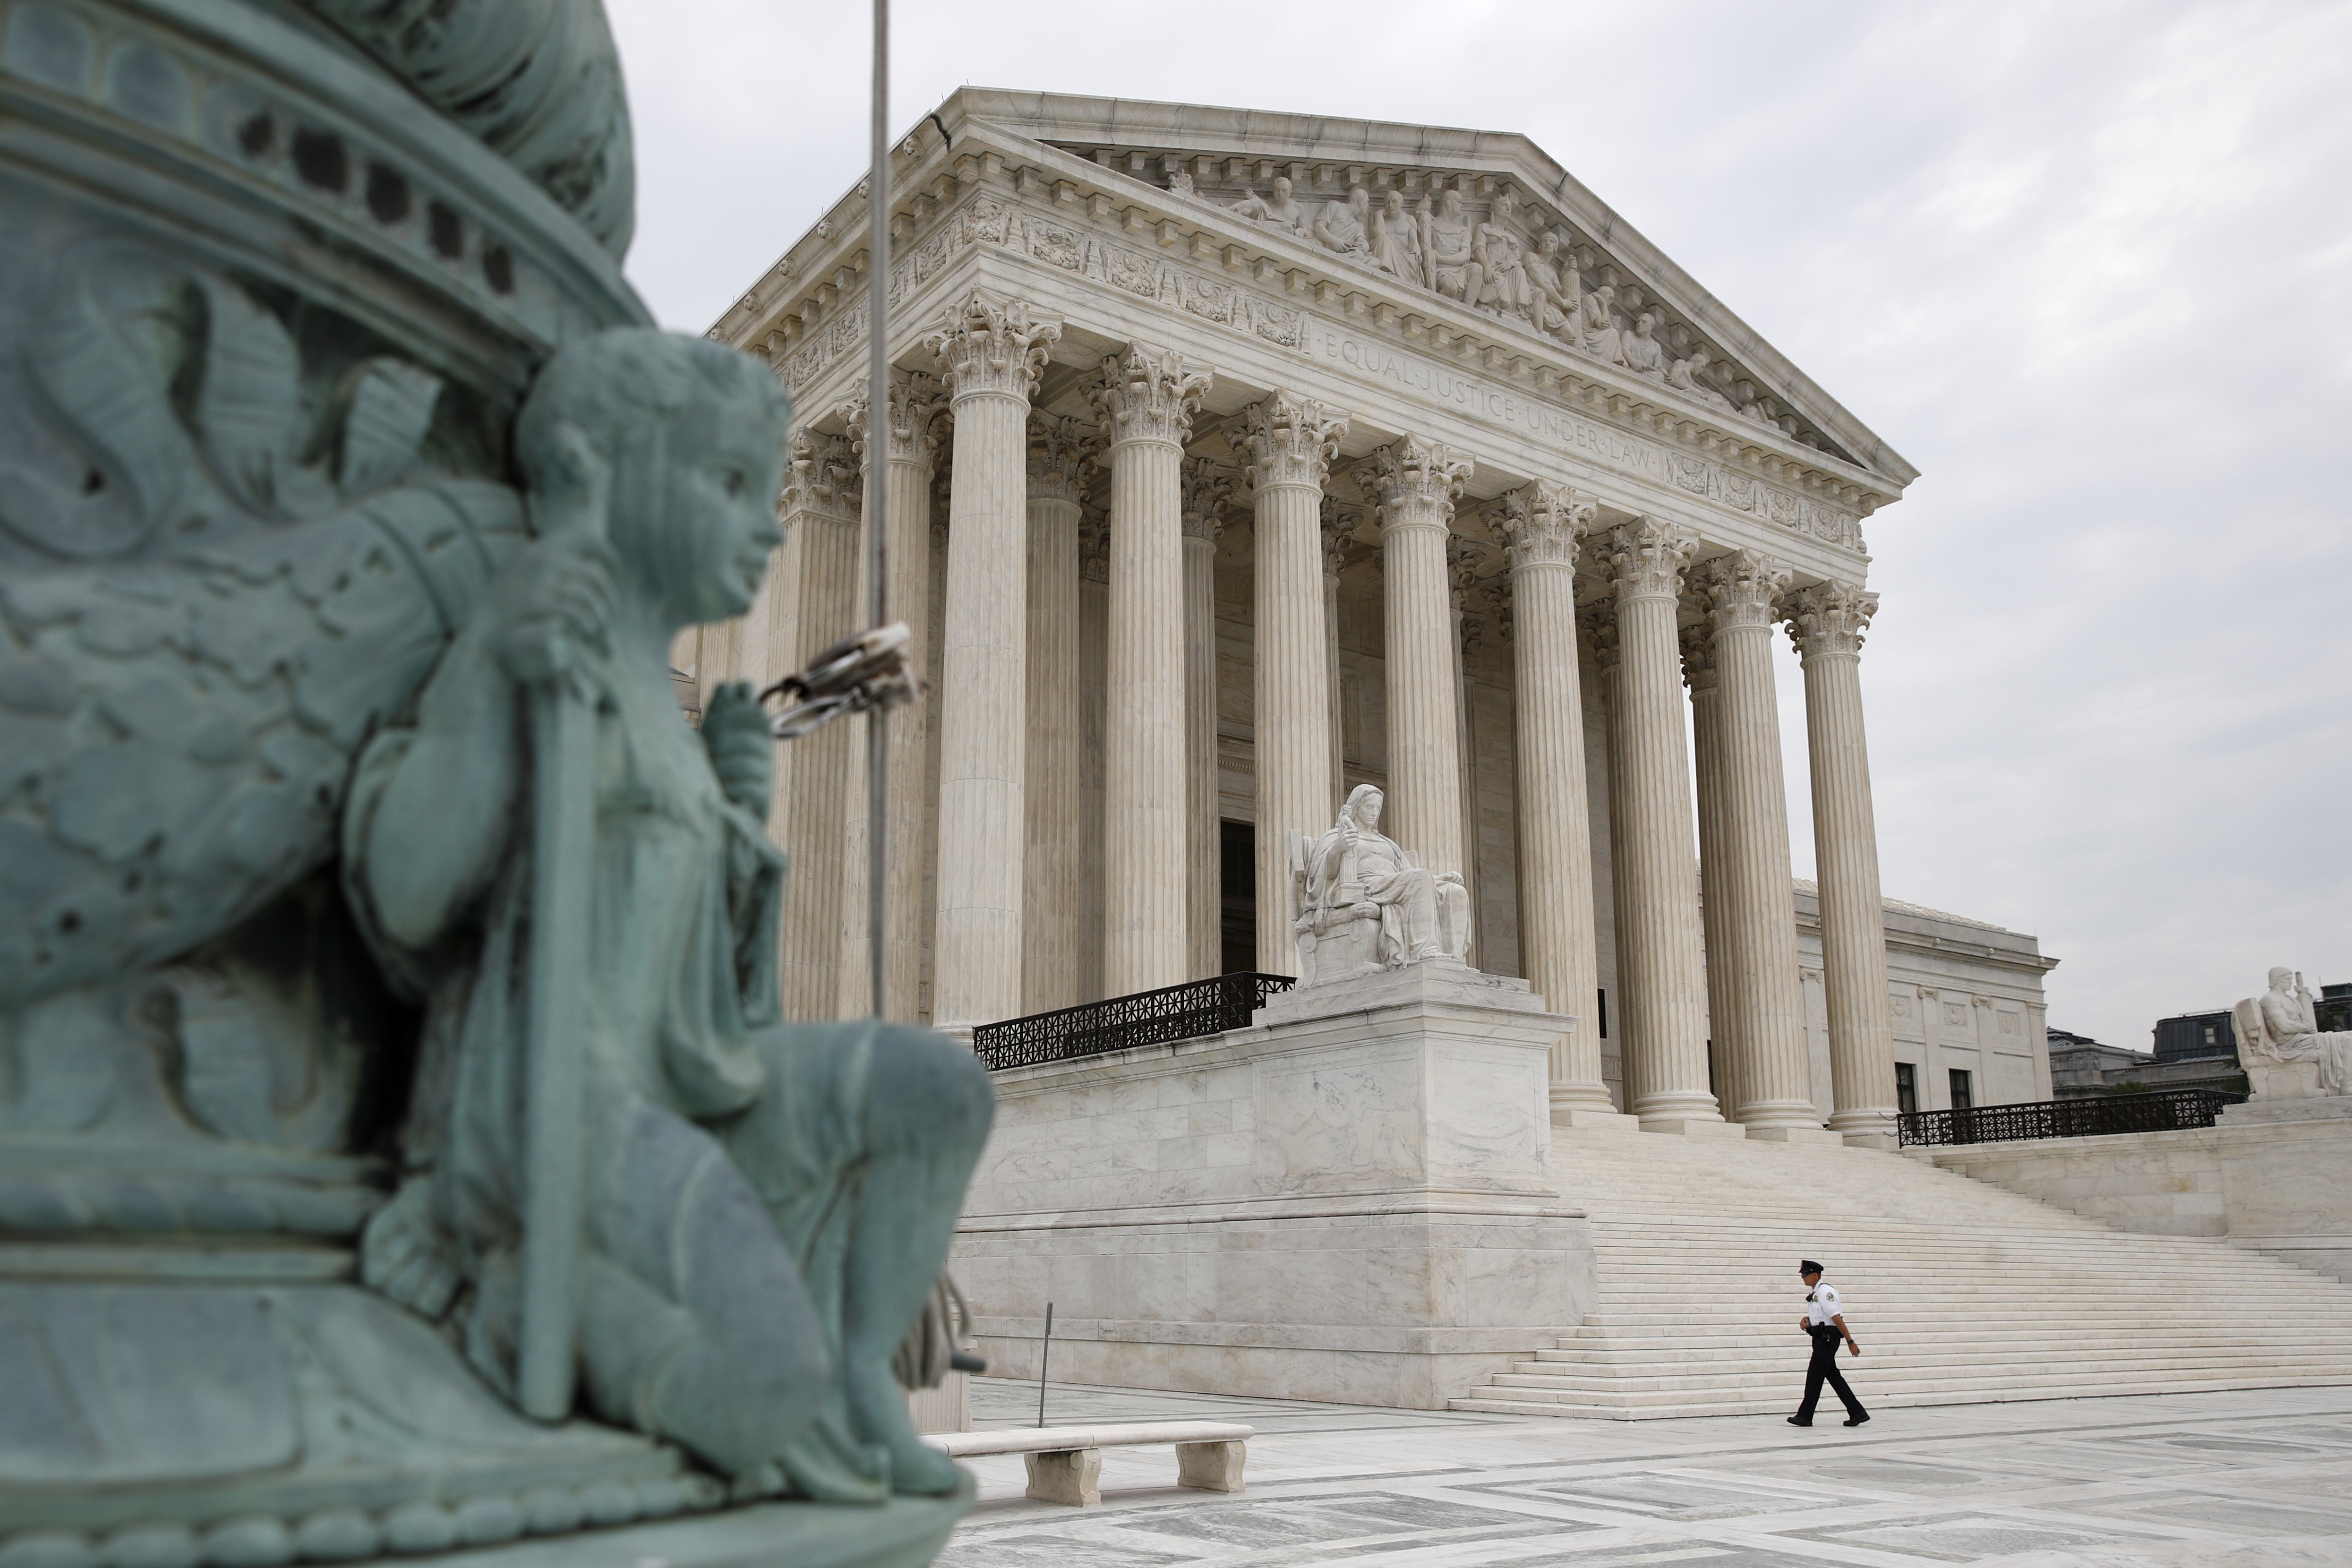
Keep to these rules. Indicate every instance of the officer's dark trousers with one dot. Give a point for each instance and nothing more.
(1824, 1368)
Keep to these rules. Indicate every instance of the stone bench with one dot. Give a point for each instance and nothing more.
(1065, 1463)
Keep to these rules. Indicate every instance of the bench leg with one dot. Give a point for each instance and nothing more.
(1072, 1476)
(1211, 1467)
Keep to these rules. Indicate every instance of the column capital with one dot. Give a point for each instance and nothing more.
(1062, 452)
(1206, 488)
(1462, 559)
(1544, 521)
(993, 345)
(1149, 396)
(1339, 530)
(1093, 549)
(1644, 558)
(1830, 618)
(822, 477)
(1596, 625)
(1291, 440)
(916, 418)
(1415, 482)
(1742, 589)
(1699, 671)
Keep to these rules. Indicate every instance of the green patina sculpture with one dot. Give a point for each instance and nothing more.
(347, 507)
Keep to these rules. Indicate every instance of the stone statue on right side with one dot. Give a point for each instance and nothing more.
(1362, 903)
(2285, 1053)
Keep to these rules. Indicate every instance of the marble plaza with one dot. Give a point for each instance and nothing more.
(1334, 548)
(2227, 1481)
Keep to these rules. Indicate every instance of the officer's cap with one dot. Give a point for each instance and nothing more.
(1808, 1267)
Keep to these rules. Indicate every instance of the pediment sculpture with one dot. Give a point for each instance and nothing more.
(1360, 902)
(2285, 1053)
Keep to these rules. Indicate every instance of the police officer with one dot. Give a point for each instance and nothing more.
(1824, 1319)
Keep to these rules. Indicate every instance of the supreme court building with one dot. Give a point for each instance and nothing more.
(1238, 458)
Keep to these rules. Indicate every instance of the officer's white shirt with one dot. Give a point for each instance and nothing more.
(1823, 1304)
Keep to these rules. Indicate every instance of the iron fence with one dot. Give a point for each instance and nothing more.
(1146, 1018)
(2159, 1110)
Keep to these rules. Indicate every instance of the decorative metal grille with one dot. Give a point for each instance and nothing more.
(2159, 1110)
(1146, 1018)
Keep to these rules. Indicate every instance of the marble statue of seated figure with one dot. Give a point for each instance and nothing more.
(1280, 211)
(2282, 1025)
(1360, 884)
(766, 1208)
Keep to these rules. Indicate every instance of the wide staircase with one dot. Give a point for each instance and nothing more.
(1959, 1292)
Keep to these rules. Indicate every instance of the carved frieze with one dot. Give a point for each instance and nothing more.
(1291, 440)
(1830, 618)
(1149, 396)
(1544, 522)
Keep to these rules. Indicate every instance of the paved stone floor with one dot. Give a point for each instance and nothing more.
(2217, 1480)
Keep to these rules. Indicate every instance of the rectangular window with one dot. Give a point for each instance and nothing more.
(1907, 1088)
(1963, 1095)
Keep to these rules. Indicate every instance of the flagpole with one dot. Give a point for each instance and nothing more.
(877, 491)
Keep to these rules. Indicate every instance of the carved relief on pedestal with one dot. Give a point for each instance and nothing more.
(1829, 617)
(990, 345)
(1149, 396)
(1291, 440)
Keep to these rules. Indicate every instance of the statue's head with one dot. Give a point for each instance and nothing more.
(1281, 188)
(1392, 204)
(1364, 803)
(2281, 979)
(1360, 199)
(1643, 323)
(1504, 202)
(685, 439)
(1450, 204)
(1697, 361)
(1551, 242)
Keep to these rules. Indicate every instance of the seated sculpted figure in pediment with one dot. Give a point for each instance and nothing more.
(2279, 1031)
(1362, 902)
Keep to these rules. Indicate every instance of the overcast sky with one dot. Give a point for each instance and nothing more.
(2085, 265)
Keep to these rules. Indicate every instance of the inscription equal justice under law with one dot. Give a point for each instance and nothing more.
(1443, 385)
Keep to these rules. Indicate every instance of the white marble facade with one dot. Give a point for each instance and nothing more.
(1239, 459)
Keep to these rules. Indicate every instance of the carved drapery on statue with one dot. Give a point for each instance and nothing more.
(1360, 902)
(2285, 1053)
(270, 604)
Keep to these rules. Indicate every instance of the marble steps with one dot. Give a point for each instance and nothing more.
(1963, 1292)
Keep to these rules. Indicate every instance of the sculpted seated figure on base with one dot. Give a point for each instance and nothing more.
(2285, 1053)
(1360, 902)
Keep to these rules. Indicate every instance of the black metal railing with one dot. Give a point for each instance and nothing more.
(2159, 1110)
(1146, 1018)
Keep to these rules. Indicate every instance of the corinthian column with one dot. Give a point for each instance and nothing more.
(1826, 623)
(1543, 522)
(1146, 401)
(1659, 964)
(1291, 441)
(1761, 1024)
(820, 512)
(992, 350)
(913, 424)
(1338, 539)
(1206, 490)
(1060, 453)
(1416, 483)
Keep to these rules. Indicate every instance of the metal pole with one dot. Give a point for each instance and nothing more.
(1044, 1350)
(877, 491)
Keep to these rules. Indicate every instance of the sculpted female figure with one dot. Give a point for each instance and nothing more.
(766, 1208)
(1354, 872)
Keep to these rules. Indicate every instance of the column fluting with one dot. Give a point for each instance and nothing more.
(1543, 521)
(1146, 400)
(1762, 1023)
(1291, 441)
(1659, 964)
(821, 502)
(1339, 542)
(1416, 483)
(1207, 489)
(1826, 623)
(992, 350)
(914, 424)
(1061, 452)
(1699, 674)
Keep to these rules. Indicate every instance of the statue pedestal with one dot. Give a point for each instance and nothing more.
(1352, 1200)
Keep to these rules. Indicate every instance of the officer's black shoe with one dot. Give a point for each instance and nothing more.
(1856, 1420)
(1801, 1421)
